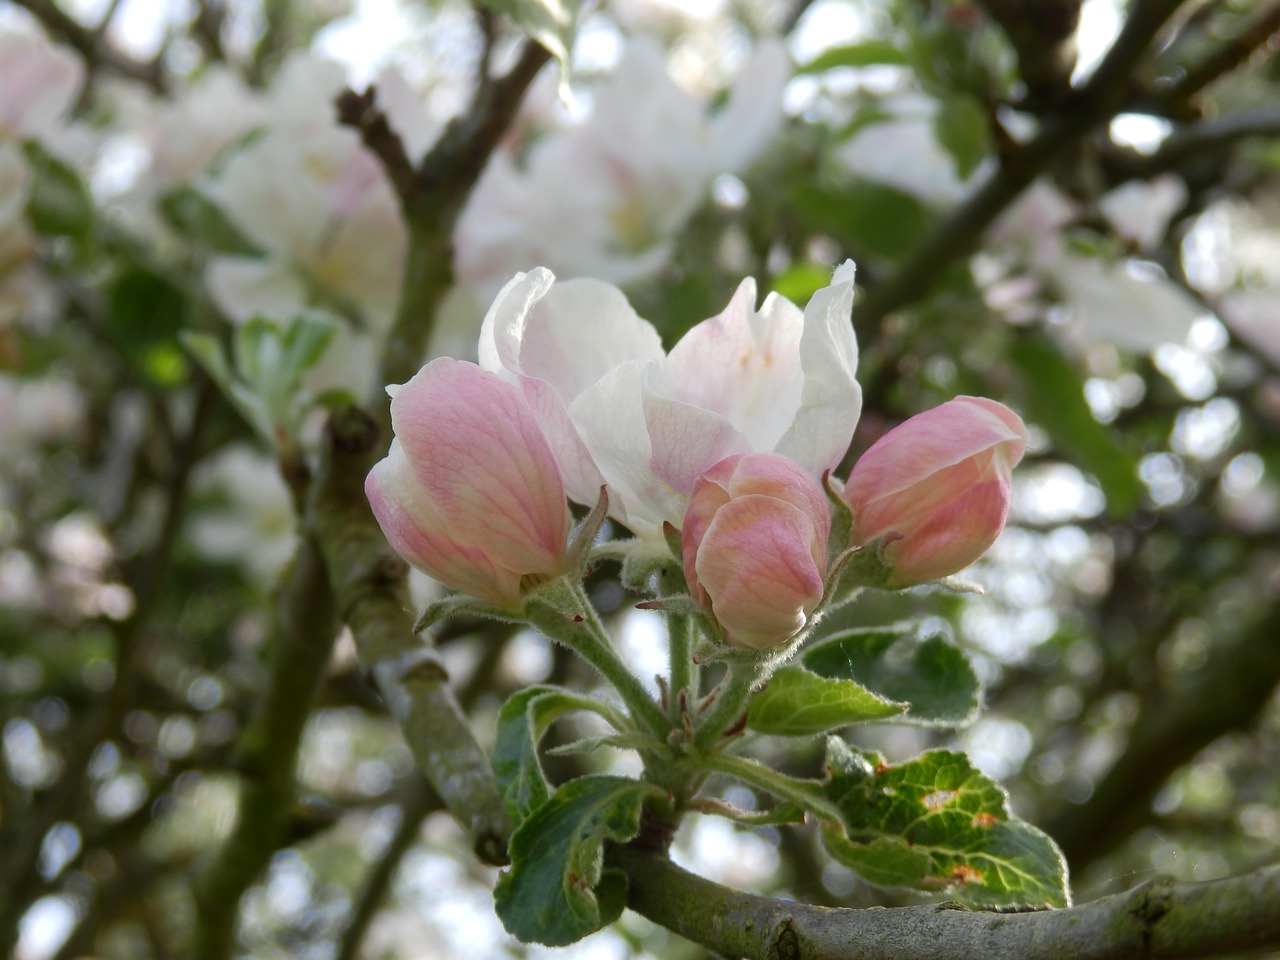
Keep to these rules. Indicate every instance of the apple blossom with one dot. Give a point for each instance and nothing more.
(617, 410)
(470, 493)
(38, 84)
(933, 493)
(754, 544)
(606, 197)
(902, 150)
(1122, 301)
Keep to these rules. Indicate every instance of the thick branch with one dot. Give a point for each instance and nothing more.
(1195, 141)
(305, 630)
(1233, 51)
(1101, 98)
(433, 195)
(373, 600)
(1167, 735)
(1158, 919)
(1043, 35)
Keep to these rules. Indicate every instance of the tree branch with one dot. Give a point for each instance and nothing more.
(305, 630)
(1168, 734)
(369, 582)
(1158, 919)
(420, 801)
(92, 46)
(432, 197)
(1193, 142)
(1226, 57)
(1043, 36)
(1104, 94)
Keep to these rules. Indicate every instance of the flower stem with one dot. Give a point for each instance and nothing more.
(684, 673)
(801, 792)
(585, 635)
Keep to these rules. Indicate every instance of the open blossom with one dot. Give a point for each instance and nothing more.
(605, 198)
(38, 84)
(934, 491)
(470, 493)
(755, 547)
(617, 410)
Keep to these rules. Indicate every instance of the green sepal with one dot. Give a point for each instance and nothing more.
(459, 603)
(785, 813)
(937, 823)
(928, 674)
(798, 703)
(582, 542)
(619, 741)
(557, 891)
(522, 723)
(841, 526)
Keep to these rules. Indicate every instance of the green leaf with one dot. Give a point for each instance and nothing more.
(937, 823)
(557, 890)
(797, 703)
(962, 129)
(1054, 398)
(197, 218)
(932, 675)
(865, 54)
(552, 23)
(209, 354)
(801, 281)
(59, 203)
(523, 721)
(866, 216)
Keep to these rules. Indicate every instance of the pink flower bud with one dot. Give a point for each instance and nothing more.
(935, 489)
(470, 492)
(755, 547)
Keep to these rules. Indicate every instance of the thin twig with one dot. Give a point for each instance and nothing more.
(92, 45)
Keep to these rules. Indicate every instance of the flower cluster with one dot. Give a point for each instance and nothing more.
(728, 439)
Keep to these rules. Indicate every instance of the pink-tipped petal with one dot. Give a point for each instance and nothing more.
(937, 486)
(754, 546)
(470, 492)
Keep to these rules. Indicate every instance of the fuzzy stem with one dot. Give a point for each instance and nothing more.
(780, 785)
(684, 672)
(586, 636)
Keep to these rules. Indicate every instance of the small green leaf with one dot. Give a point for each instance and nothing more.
(962, 129)
(932, 675)
(866, 216)
(1054, 398)
(59, 203)
(865, 54)
(552, 23)
(209, 354)
(557, 890)
(197, 218)
(523, 721)
(801, 281)
(936, 823)
(797, 703)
